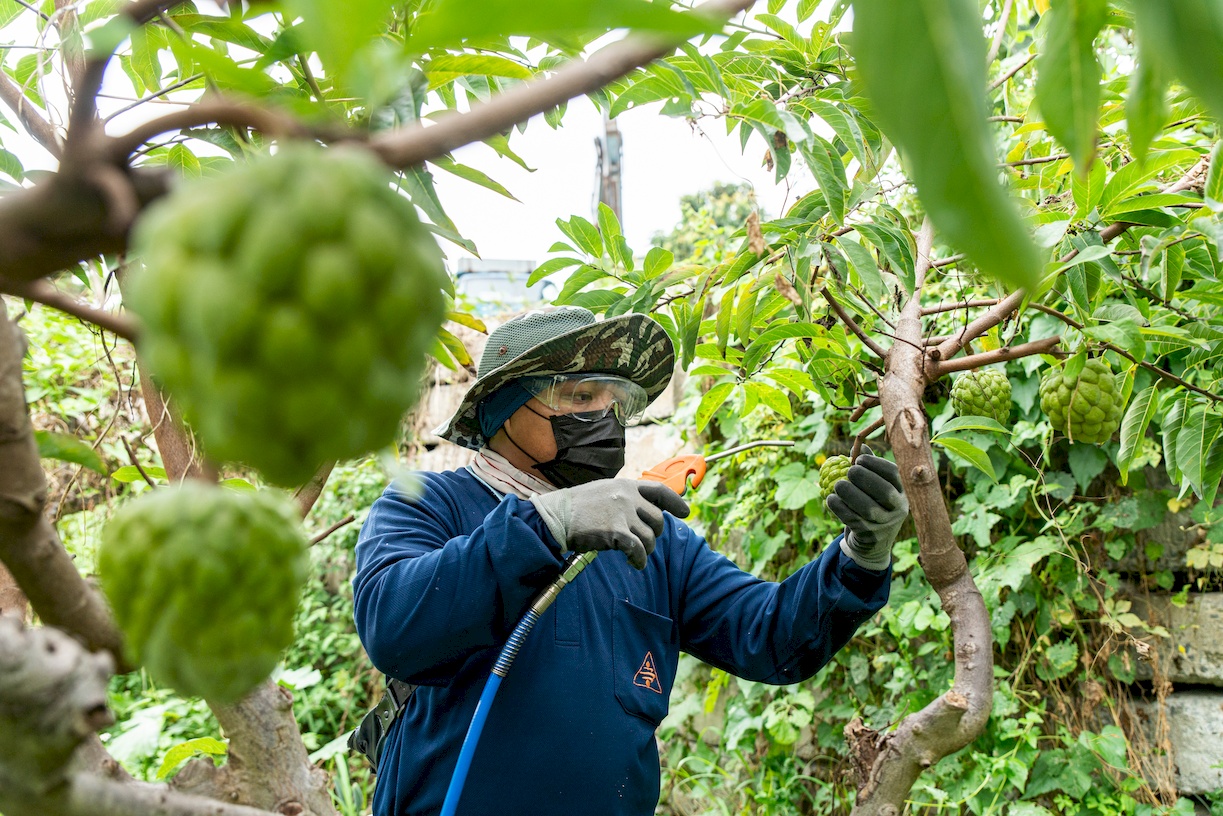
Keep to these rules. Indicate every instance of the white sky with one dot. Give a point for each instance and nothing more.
(664, 158)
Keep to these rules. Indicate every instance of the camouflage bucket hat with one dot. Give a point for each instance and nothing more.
(564, 340)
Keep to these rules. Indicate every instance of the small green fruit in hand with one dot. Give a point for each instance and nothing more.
(984, 392)
(279, 299)
(832, 471)
(1086, 408)
(204, 582)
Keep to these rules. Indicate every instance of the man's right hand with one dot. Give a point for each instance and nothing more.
(610, 514)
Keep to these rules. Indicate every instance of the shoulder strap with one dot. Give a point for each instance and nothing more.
(370, 735)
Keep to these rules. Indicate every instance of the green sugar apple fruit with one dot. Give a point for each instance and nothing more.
(1086, 408)
(832, 471)
(287, 305)
(204, 583)
(984, 392)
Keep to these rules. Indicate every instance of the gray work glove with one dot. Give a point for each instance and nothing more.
(610, 514)
(872, 503)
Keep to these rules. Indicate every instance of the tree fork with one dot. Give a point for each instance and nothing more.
(959, 715)
(29, 544)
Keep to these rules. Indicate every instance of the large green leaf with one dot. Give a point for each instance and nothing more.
(1068, 76)
(1170, 426)
(1193, 441)
(711, 402)
(337, 31)
(1134, 427)
(770, 337)
(1188, 36)
(923, 66)
(453, 22)
(67, 448)
(1146, 107)
(968, 451)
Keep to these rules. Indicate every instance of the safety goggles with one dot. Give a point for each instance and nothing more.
(589, 397)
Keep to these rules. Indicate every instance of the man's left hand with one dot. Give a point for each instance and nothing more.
(872, 503)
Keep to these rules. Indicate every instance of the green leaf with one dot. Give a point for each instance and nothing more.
(185, 750)
(1134, 425)
(241, 485)
(67, 448)
(1193, 441)
(973, 423)
(1059, 660)
(1124, 333)
(1214, 179)
(1134, 176)
(418, 183)
(445, 68)
(583, 233)
(774, 398)
(1188, 36)
(1146, 107)
(9, 11)
(923, 66)
(471, 174)
(550, 267)
(578, 281)
(657, 261)
(1068, 76)
(11, 166)
(1212, 471)
(183, 161)
(770, 337)
(1088, 188)
(1170, 427)
(337, 31)
(829, 172)
(862, 263)
(711, 402)
(453, 22)
(966, 450)
(147, 43)
(796, 485)
(726, 310)
(130, 473)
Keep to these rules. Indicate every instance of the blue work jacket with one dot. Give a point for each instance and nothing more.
(443, 577)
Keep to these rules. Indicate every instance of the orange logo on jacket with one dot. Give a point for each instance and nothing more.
(647, 675)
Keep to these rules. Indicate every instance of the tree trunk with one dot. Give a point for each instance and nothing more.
(958, 716)
(29, 545)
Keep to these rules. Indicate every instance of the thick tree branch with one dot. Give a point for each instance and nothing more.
(29, 545)
(268, 765)
(90, 795)
(453, 130)
(34, 123)
(876, 349)
(12, 600)
(959, 715)
(54, 700)
(308, 494)
(46, 294)
(1154, 369)
(235, 114)
(953, 305)
(1000, 355)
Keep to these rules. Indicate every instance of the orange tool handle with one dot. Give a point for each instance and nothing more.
(675, 472)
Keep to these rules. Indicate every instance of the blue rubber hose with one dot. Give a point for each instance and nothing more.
(501, 668)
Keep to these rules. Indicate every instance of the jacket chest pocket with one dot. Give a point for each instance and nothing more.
(644, 657)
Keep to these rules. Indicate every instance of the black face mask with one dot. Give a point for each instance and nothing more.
(585, 451)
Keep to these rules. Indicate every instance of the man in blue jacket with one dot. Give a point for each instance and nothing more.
(444, 575)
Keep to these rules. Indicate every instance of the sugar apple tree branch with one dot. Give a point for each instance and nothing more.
(46, 294)
(1004, 307)
(1000, 355)
(851, 324)
(55, 700)
(29, 544)
(959, 715)
(34, 123)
